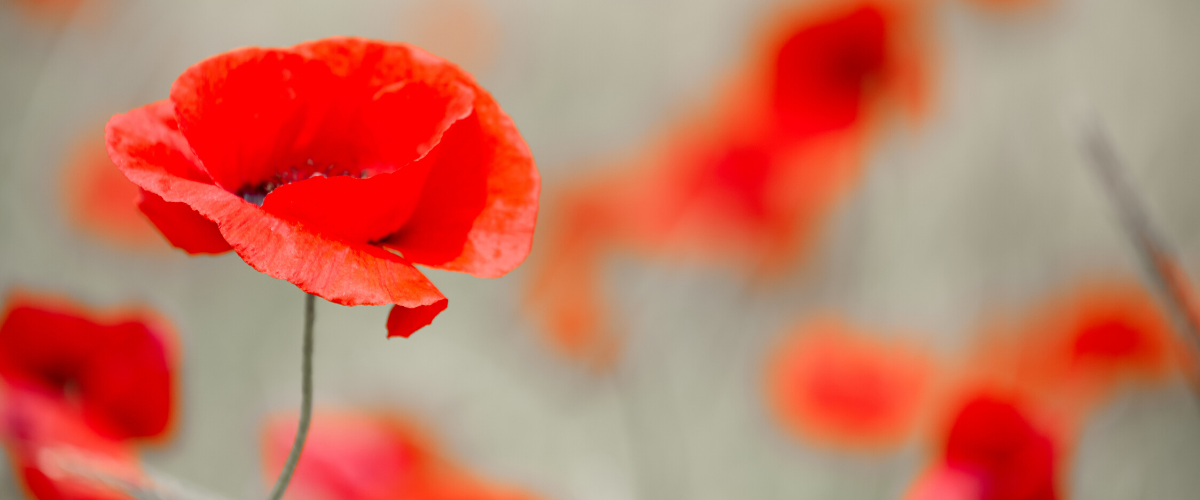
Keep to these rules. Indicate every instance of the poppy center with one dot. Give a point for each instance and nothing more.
(257, 193)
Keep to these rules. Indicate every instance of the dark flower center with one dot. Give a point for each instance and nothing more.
(257, 193)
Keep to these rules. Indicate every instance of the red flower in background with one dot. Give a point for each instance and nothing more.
(358, 456)
(829, 383)
(1030, 390)
(336, 165)
(993, 450)
(101, 201)
(1087, 342)
(751, 182)
(79, 386)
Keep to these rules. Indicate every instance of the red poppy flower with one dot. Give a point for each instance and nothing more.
(993, 450)
(101, 201)
(336, 165)
(750, 182)
(1097, 336)
(829, 383)
(356, 456)
(83, 384)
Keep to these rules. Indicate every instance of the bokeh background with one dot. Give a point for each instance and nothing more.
(985, 203)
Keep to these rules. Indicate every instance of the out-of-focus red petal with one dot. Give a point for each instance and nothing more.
(995, 440)
(120, 363)
(324, 265)
(1096, 336)
(565, 291)
(56, 456)
(831, 384)
(824, 70)
(403, 321)
(44, 346)
(946, 483)
(479, 205)
(100, 200)
(362, 456)
(351, 457)
(127, 387)
(246, 112)
(182, 226)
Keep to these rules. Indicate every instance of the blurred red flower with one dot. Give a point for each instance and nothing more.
(994, 449)
(101, 201)
(829, 383)
(1086, 342)
(79, 386)
(362, 456)
(750, 182)
(336, 165)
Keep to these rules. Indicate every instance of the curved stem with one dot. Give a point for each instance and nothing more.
(285, 476)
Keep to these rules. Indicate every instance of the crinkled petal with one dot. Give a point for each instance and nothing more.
(158, 135)
(326, 266)
(183, 227)
(369, 65)
(479, 204)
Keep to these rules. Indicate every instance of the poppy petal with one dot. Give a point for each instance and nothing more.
(831, 383)
(126, 387)
(57, 457)
(403, 321)
(998, 440)
(246, 112)
(182, 226)
(824, 71)
(479, 205)
(44, 346)
(371, 65)
(352, 456)
(121, 365)
(101, 201)
(365, 456)
(339, 271)
(405, 122)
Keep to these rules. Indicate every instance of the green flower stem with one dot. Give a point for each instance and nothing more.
(285, 476)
